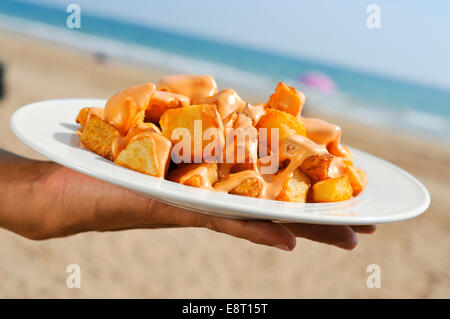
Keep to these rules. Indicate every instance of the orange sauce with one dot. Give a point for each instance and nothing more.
(295, 148)
(161, 101)
(195, 87)
(227, 101)
(202, 172)
(127, 110)
(127, 107)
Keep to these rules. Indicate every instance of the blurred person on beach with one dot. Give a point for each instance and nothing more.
(42, 200)
(2, 81)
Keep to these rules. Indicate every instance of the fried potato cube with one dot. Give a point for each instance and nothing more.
(348, 154)
(98, 136)
(240, 167)
(85, 113)
(296, 188)
(287, 99)
(357, 177)
(148, 154)
(83, 116)
(162, 101)
(225, 169)
(202, 175)
(332, 190)
(196, 119)
(316, 166)
(250, 187)
(286, 123)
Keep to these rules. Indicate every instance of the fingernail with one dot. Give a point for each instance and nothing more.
(282, 247)
(346, 246)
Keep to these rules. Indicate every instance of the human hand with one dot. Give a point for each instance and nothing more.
(44, 200)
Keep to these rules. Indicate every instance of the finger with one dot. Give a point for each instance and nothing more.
(364, 229)
(339, 236)
(153, 226)
(259, 232)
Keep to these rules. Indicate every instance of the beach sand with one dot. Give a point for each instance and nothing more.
(414, 255)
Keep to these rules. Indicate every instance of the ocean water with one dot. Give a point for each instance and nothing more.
(368, 98)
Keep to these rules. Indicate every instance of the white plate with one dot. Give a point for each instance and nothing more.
(392, 194)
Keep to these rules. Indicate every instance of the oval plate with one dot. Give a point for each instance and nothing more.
(392, 194)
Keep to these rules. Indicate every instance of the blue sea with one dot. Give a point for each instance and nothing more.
(367, 98)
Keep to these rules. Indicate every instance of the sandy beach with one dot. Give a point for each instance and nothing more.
(414, 255)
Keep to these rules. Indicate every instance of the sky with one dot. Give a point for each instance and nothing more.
(413, 42)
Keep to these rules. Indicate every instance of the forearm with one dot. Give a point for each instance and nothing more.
(17, 178)
(41, 199)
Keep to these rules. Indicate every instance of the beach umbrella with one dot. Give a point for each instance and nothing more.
(319, 81)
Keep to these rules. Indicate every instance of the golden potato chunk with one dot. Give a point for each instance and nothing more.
(85, 113)
(250, 187)
(296, 188)
(240, 167)
(316, 166)
(357, 177)
(245, 183)
(348, 154)
(162, 101)
(196, 175)
(195, 119)
(82, 116)
(148, 154)
(287, 99)
(286, 123)
(332, 190)
(98, 136)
